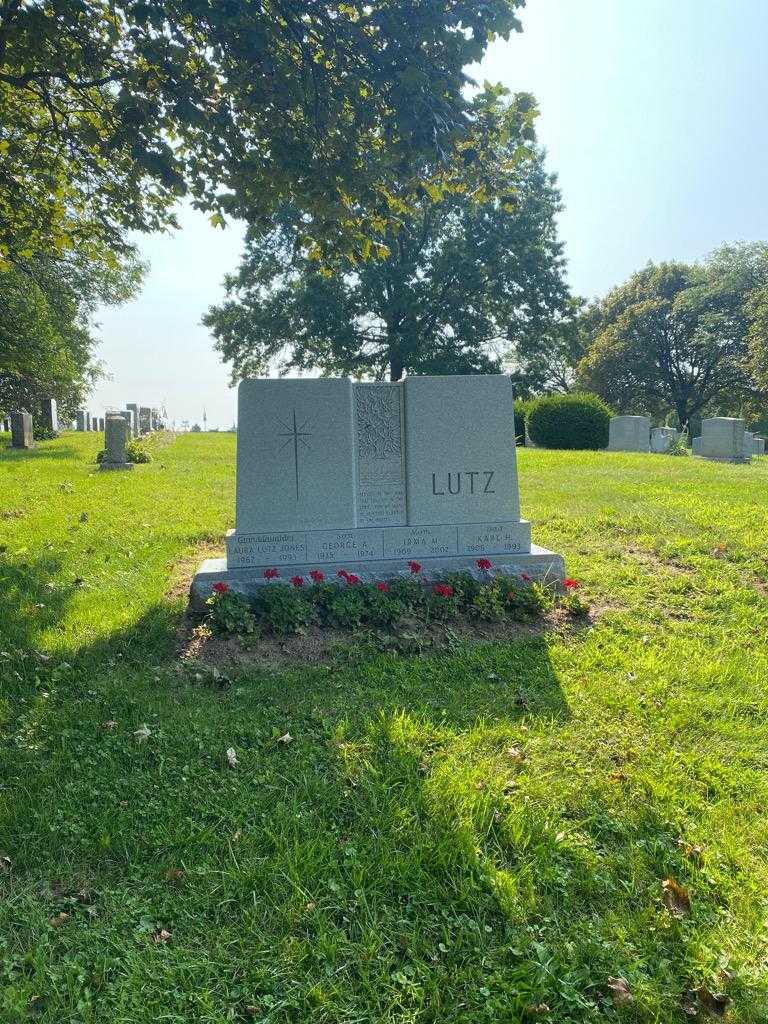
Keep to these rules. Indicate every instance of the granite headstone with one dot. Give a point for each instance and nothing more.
(722, 439)
(21, 430)
(115, 437)
(333, 474)
(629, 434)
(49, 415)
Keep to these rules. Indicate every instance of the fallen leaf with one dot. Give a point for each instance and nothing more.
(174, 874)
(286, 738)
(690, 850)
(237, 835)
(110, 724)
(5, 862)
(676, 899)
(719, 550)
(59, 919)
(620, 991)
(160, 935)
(142, 733)
(231, 757)
(515, 753)
(726, 975)
(83, 517)
(538, 1009)
(716, 1004)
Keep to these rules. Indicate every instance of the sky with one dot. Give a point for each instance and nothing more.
(654, 115)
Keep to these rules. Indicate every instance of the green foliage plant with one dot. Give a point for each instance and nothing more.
(577, 421)
(284, 609)
(230, 613)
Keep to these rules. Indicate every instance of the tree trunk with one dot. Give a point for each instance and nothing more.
(396, 368)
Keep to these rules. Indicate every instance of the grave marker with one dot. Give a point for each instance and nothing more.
(629, 434)
(21, 430)
(333, 474)
(115, 436)
(49, 414)
(722, 439)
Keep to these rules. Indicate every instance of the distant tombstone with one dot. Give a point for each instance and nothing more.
(6, 425)
(722, 439)
(115, 437)
(662, 439)
(94, 423)
(101, 423)
(749, 437)
(367, 477)
(758, 446)
(49, 415)
(128, 417)
(629, 434)
(81, 420)
(696, 446)
(528, 442)
(21, 430)
(145, 420)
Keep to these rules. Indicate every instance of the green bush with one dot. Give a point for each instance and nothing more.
(134, 452)
(569, 421)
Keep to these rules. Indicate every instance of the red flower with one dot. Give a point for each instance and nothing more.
(570, 584)
(525, 577)
(415, 567)
(484, 564)
(220, 588)
(342, 574)
(443, 590)
(297, 581)
(382, 587)
(317, 576)
(351, 579)
(271, 574)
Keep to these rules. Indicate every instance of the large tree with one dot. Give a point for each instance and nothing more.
(112, 109)
(676, 336)
(465, 279)
(47, 339)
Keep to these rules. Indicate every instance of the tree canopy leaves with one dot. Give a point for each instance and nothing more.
(465, 279)
(46, 330)
(678, 336)
(112, 109)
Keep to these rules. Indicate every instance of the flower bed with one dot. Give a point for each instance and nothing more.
(286, 607)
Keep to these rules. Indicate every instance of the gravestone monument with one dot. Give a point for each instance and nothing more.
(333, 474)
(115, 437)
(722, 439)
(81, 419)
(145, 420)
(49, 415)
(629, 434)
(749, 438)
(696, 445)
(128, 417)
(134, 410)
(758, 446)
(662, 439)
(21, 430)
(6, 425)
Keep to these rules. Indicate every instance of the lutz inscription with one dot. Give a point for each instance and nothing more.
(472, 482)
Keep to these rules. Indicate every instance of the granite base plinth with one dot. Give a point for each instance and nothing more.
(115, 465)
(539, 564)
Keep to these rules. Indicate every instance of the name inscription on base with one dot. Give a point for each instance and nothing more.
(367, 545)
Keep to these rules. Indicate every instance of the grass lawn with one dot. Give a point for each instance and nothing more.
(393, 862)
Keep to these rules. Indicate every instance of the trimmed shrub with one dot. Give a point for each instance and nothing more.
(569, 421)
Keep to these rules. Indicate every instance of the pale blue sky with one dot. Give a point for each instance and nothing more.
(655, 117)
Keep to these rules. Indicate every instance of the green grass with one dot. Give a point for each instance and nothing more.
(392, 863)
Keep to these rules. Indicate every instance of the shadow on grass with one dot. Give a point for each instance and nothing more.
(398, 844)
(43, 450)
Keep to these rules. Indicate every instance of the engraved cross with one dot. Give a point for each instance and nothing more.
(296, 434)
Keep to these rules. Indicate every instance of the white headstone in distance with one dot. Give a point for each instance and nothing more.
(758, 446)
(629, 434)
(662, 439)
